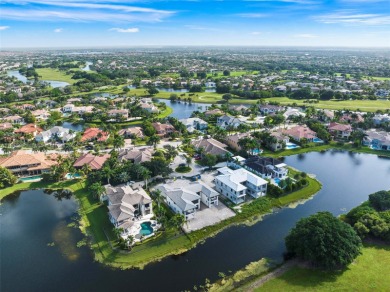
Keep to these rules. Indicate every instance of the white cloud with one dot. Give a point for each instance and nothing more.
(59, 30)
(252, 15)
(255, 33)
(4, 27)
(353, 18)
(305, 35)
(125, 30)
(287, 1)
(81, 11)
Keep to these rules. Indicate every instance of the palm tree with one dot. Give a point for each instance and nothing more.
(108, 172)
(188, 160)
(153, 140)
(145, 174)
(129, 241)
(177, 221)
(97, 189)
(118, 142)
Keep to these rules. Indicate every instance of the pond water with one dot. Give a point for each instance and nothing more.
(17, 75)
(33, 219)
(74, 127)
(86, 68)
(182, 110)
(24, 79)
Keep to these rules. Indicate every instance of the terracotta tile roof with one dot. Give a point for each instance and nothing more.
(95, 162)
(339, 127)
(29, 129)
(33, 161)
(300, 132)
(92, 133)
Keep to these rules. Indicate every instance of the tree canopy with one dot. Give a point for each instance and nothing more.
(324, 240)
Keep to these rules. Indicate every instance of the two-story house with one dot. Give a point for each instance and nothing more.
(236, 184)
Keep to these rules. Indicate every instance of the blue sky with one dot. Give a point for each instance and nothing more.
(100, 23)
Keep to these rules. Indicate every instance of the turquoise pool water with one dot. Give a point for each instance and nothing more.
(146, 228)
(277, 180)
(71, 176)
(290, 145)
(257, 151)
(30, 178)
(317, 140)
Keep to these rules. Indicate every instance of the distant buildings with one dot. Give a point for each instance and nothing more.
(378, 140)
(57, 132)
(301, 132)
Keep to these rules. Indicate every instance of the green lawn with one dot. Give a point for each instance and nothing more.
(54, 74)
(369, 272)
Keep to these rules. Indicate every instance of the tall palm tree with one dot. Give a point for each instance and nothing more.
(145, 174)
(108, 172)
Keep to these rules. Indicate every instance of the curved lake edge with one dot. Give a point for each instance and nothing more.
(77, 187)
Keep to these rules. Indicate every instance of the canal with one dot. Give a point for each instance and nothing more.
(38, 250)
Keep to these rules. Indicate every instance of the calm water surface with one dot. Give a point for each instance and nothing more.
(31, 220)
(182, 110)
(24, 79)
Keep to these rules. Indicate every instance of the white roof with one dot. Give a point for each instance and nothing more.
(234, 178)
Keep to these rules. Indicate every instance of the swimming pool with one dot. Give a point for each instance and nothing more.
(277, 180)
(290, 145)
(146, 228)
(317, 140)
(71, 176)
(30, 178)
(257, 151)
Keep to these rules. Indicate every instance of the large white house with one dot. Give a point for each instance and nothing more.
(236, 184)
(55, 133)
(186, 200)
(193, 124)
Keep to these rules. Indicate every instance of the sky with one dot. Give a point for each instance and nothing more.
(115, 23)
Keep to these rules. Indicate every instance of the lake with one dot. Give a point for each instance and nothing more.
(74, 127)
(182, 110)
(20, 77)
(32, 219)
(86, 68)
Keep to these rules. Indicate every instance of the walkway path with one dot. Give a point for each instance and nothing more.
(275, 273)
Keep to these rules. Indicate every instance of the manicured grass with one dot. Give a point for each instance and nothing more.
(54, 74)
(369, 272)
(168, 111)
(312, 188)
(364, 105)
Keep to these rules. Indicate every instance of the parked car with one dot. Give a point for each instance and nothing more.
(182, 165)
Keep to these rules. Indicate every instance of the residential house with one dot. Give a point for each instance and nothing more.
(31, 129)
(193, 124)
(127, 205)
(340, 131)
(14, 119)
(24, 164)
(92, 134)
(163, 130)
(378, 140)
(267, 109)
(301, 132)
(41, 114)
(352, 118)
(326, 115)
(95, 162)
(213, 112)
(239, 108)
(136, 155)
(181, 200)
(293, 112)
(379, 119)
(232, 140)
(5, 126)
(226, 121)
(149, 107)
(266, 167)
(186, 200)
(132, 132)
(211, 146)
(236, 184)
(279, 142)
(56, 132)
(115, 113)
